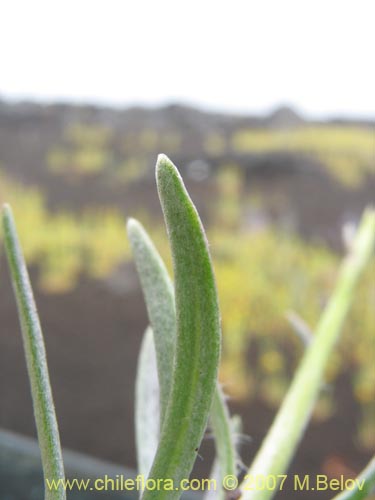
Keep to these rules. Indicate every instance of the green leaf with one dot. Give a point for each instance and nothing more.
(286, 431)
(224, 439)
(365, 484)
(44, 411)
(147, 408)
(227, 434)
(159, 296)
(198, 335)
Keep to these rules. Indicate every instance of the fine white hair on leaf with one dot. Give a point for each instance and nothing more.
(147, 407)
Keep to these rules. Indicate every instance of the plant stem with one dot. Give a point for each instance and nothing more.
(36, 361)
(285, 433)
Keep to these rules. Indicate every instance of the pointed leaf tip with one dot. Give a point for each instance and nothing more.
(131, 224)
(162, 158)
(166, 166)
(6, 210)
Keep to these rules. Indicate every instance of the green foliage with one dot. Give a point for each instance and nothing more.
(89, 150)
(159, 297)
(192, 392)
(81, 134)
(36, 360)
(198, 334)
(287, 429)
(65, 245)
(81, 162)
(132, 169)
(84, 151)
(247, 268)
(147, 405)
(283, 438)
(346, 152)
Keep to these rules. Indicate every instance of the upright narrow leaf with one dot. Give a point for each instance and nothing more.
(198, 335)
(159, 297)
(222, 467)
(285, 433)
(35, 353)
(147, 408)
(224, 438)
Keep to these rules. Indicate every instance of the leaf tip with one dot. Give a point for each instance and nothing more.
(6, 209)
(167, 174)
(131, 225)
(6, 215)
(165, 166)
(135, 232)
(162, 159)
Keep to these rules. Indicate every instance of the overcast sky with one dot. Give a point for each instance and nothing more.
(237, 55)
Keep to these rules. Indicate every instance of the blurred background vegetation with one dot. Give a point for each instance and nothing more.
(274, 193)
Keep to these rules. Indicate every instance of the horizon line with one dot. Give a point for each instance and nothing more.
(184, 103)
